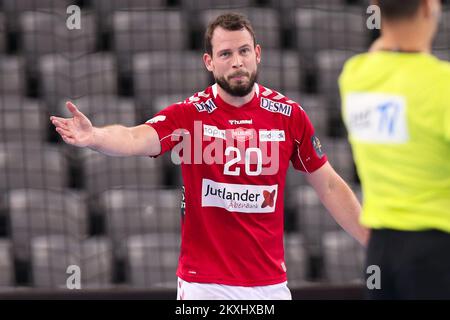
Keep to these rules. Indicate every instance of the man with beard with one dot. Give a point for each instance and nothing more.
(232, 226)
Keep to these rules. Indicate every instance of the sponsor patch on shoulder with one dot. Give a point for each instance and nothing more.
(317, 146)
(208, 106)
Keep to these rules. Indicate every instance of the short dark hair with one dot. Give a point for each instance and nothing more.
(229, 21)
(395, 9)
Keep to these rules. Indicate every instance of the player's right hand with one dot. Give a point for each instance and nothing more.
(77, 131)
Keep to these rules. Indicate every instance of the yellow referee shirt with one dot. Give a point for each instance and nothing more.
(396, 107)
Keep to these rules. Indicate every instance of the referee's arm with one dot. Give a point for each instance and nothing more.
(339, 200)
(114, 140)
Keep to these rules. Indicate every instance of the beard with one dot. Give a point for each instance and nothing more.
(241, 89)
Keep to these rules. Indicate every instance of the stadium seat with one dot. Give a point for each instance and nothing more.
(2, 33)
(22, 120)
(290, 4)
(329, 66)
(317, 109)
(265, 22)
(280, 70)
(340, 156)
(162, 101)
(53, 254)
(152, 260)
(326, 29)
(168, 72)
(104, 9)
(296, 259)
(313, 220)
(12, 75)
(343, 258)
(47, 33)
(441, 40)
(37, 212)
(6, 264)
(32, 165)
(104, 110)
(208, 4)
(132, 211)
(14, 8)
(102, 172)
(73, 78)
(142, 31)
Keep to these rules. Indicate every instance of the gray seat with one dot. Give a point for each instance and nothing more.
(64, 78)
(104, 110)
(2, 33)
(442, 39)
(6, 264)
(329, 64)
(14, 8)
(340, 156)
(265, 22)
(47, 33)
(53, 254)
(12, 75)
(152, 260)
(168, 72)
(332, 28)
(162, 101)
(22, 120)
(102, 172)
(280, 70)
(131, 211)
(291, 4)
(209, 4)
(32, 166)
(36, 212)
(142, 31)
(313, 220)
(317, 109)
(343, 258)
(104, 9)
(296, 259)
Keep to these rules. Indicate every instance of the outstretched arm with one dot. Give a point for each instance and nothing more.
(339, 200)
(114, 140)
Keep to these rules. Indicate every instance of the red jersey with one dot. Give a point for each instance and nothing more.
(234, 162)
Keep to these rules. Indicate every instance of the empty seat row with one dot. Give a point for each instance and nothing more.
(160, 73)
(136, 31)
(61, 261)
(46, 166)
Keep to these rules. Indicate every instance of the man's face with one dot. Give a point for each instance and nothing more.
(234, 61)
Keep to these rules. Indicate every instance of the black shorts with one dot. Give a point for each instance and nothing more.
(413, 265)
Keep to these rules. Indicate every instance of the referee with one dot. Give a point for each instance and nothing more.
(396, 107)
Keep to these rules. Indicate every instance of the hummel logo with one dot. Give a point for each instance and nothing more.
(241, 121)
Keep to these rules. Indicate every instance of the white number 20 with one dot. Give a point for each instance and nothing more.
(248, 170)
